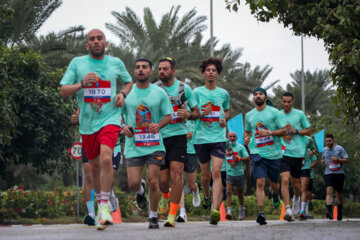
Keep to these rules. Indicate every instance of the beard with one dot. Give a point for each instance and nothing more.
(259, 102)
(165, 79)
(142, 80)
(98, 53)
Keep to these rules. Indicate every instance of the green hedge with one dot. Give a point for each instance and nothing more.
(18, 203)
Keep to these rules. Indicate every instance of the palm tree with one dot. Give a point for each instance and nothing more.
(319, 92)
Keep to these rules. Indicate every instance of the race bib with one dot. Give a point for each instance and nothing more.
(99, 91)
(264, 141)
(174, 116)
(144, 138)
(213, 116)
(334, 166)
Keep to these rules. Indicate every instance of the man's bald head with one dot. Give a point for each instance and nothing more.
(95, 32)
(232, 137)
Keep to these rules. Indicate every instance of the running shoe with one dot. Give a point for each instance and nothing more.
(260, 219)
(289, 216)
(309, 216)
(170, 221)
(206, 203)
(89, 220)
(275, 200)
(196, 201)
(163, 206)
(302, 215)
(329, 215)
(215, 217)
(296, 206)
(114, 203)
(241, 213)
(181, 218)
(103, 218)
(228, 216)
(140, 198)
(153, 223)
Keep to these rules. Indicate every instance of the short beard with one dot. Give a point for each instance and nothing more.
(260, 103)
(142, 80)
(97, 54)
(166, 79)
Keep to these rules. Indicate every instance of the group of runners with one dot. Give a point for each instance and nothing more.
(169, 127)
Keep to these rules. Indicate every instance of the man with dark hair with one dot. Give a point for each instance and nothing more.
(147, 109)
(174, 134)
(210, 133)
(93, 78)
(263, 127)
(297, 127)
(333, 156)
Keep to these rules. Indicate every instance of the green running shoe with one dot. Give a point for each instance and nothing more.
(170, 222)
(215, 217)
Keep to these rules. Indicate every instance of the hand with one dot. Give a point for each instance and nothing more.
(264, 132)
(236, 158)
(127, 131)
(208, 109)
(322, 161)
(154, 128)
(75, 116)
(189, 135)
(223, 122)
(292, 130)
(333, 158)
(90, 77)
(311, 153)
(246, 140)
(183, 113)
(119, 100)
(229, 152)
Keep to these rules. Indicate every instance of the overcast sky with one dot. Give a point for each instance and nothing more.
(262, 43)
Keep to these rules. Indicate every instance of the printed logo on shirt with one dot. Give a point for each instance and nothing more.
(98, 93)
(143, 137)
(175, 118)
(262, 141)
(213, 116)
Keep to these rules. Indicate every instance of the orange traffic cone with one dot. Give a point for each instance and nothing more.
(116, 216)
(222, 212)
(335, 212)
(283, 210)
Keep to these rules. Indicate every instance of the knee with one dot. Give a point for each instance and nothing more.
(106, 161)
(216, 174)
(285, 180)
(153, 183)
(260, 184)
(134, 186)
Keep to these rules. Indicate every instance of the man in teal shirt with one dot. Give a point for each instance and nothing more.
(297, 127)
(236, 154)
(147, 109)
(174, 134)
(308, 163)
(264, 126)
(94, 78)
(210, 135)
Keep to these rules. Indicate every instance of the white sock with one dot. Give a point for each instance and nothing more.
(98, 198)
(141, 191)
(104, 198)
(182, 211)
(288, 208)
(153, 214)
(303, 206)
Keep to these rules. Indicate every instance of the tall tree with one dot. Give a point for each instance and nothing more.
(337, 23)
(319, 92)
(24, 18)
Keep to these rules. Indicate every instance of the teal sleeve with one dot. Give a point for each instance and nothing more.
(123, 73)
(226, 104)
(305, 123)
(247, 125)
(243, 151)
(166, 108)
(69, 77)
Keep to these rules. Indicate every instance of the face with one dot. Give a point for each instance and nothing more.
(287, 102)
(210, 73)
(232, 137)
(329, 142)
(259, 98)
(96, 43)
(165, 72)
(142, 71)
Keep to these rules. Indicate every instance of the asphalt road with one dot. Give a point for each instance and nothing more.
(309, 229)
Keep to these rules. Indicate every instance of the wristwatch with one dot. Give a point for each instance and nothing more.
(297, 131)
(123, 93)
